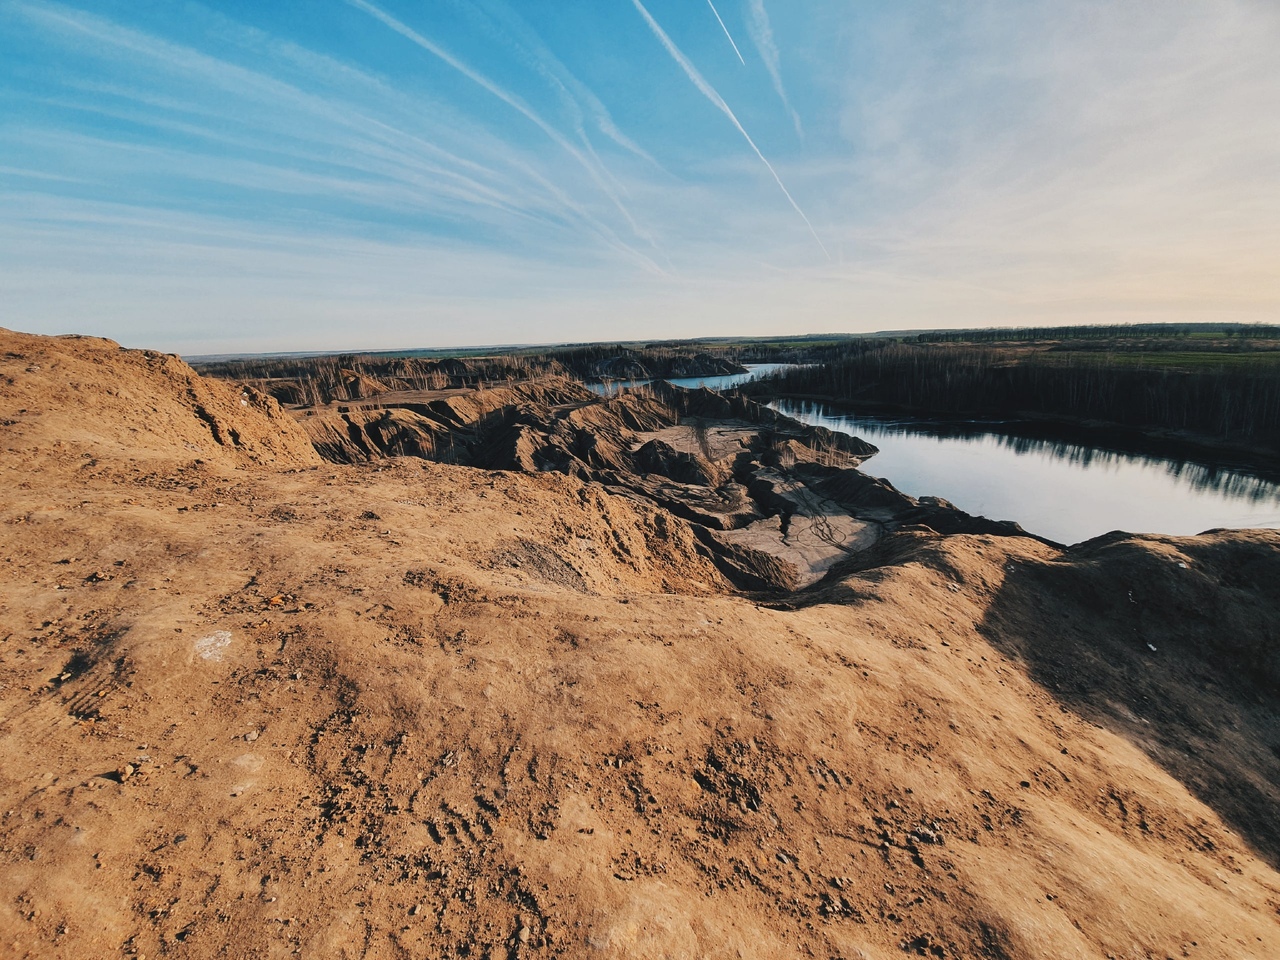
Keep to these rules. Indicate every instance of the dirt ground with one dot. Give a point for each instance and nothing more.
(253, 704)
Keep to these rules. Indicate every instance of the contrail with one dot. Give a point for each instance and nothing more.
(762, 33)
(726, 32)
(515, 103)
(710, 93)
(513, 30)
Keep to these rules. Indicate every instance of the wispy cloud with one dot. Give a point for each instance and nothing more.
(590, 164)
(762, 35)
(197, 282)
(710, 93)
(36, 175)
(516, 33)
(322, 127)
(726, 32)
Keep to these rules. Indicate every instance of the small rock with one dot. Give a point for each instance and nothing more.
(125, 772)
(925, 835)
(251, 736)
(523, 934)
(415, 910)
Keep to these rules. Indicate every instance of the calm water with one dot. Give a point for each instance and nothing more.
(1064, 491)
(692, 383)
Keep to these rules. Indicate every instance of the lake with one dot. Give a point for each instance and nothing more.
(1064, 491)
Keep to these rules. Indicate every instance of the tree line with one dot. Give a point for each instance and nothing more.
(1243, 332)
(1224, 401)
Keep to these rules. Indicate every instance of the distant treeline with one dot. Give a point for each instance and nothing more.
(1135, 331)
(1227, 401)
(423, 370)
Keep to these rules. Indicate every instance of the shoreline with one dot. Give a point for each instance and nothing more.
(1153, 442)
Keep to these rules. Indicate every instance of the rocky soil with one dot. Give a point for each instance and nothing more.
(256, 702)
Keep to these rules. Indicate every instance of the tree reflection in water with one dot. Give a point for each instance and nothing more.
(1085, 448)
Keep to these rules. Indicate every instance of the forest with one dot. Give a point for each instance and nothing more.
(1209, 383)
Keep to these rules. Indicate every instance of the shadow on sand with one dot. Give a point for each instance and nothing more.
(1173, 644)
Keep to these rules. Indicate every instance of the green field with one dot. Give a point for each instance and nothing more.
(1174, 360)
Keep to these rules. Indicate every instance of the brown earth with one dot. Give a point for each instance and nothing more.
(255, 704)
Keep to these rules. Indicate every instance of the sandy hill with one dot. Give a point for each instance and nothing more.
(254, 704)
(83, 398)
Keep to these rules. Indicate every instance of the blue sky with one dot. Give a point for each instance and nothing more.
(348, 174)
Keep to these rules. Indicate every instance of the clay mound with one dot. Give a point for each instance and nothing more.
(70, 399)
(475, 427)
(1188, 664)
(641, 411)
(635, 368)
(375, 434)
(711, 405)
(1171, 642)
(358, 386)
(700, 365)
(287, 392)
(621, 368)
(664, 460)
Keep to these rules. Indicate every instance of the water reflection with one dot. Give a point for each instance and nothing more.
(1201, 476)
(1054, 484)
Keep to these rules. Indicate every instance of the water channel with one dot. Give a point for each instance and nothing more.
(1066, 491)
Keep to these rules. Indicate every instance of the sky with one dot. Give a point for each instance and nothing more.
(242, 176)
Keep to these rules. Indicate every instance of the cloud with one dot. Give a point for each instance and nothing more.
(575, 95)
(1122, 171)
(201, 282)
(344, 122)
(589, 163)
(710, 93)
(762, 35)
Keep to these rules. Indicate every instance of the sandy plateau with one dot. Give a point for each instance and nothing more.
(582, 694)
